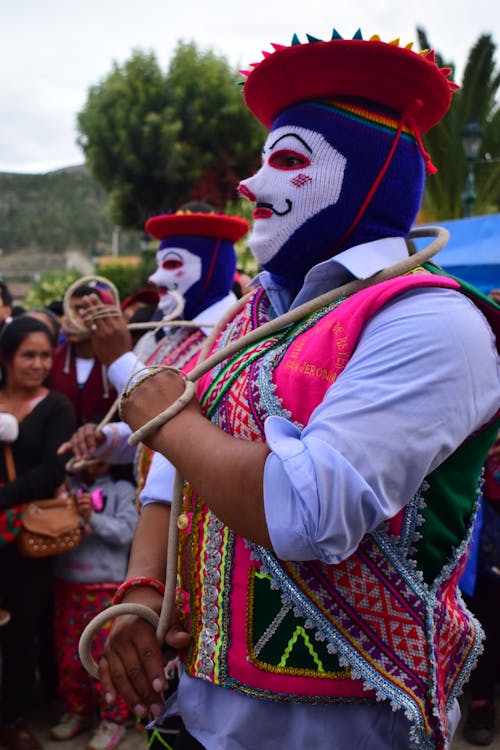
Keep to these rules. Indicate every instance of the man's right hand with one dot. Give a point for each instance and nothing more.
(84, 442)
(110, 336)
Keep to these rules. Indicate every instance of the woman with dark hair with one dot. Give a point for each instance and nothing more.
(49, 318)
(45, 419)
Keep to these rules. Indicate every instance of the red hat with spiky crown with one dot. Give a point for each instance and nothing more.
(407, 82)
(217, 226)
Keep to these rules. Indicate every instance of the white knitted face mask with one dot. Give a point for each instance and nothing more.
(301, 174)
(178, 270)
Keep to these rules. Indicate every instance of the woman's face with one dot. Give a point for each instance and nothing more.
(31, 363)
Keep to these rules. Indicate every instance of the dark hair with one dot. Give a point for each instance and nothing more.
(198, 207)
(13, 335)
(56, 307)
(143, 314)
(53, 323)
(5, 294)
(82, 291)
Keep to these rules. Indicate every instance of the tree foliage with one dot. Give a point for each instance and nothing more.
(155, 141)
(51, 286)
(128, 278)
(476, 101)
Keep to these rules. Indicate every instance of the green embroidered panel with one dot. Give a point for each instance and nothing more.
(278, 638)
(450, 501)
(454, 485)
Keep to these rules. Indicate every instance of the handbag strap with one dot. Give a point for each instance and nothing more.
(10, 466)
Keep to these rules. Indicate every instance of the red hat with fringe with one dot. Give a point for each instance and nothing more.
(395, 77)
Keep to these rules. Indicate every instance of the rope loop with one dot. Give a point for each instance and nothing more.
(85, 642)
(103, 311)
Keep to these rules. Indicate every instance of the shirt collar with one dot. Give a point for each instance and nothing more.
(359, 262)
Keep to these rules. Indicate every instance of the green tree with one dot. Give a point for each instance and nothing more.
(155, 141)
(51, 286)
(475, 101)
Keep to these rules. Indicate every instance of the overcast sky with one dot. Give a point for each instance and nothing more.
(52, 51)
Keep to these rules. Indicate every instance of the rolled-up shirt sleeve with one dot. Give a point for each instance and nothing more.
(424, 376)
(159, 484)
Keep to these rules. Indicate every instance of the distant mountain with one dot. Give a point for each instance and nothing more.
(56, 212)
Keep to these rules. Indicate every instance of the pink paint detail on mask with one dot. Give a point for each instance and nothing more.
(300, 180)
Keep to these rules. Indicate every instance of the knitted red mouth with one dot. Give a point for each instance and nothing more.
(262, 213)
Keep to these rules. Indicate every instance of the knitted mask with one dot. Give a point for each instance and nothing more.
(320, 162)
(196, 257)
(177, 270)
(201, 269)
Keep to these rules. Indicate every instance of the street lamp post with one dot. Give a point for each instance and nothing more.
(471, 141)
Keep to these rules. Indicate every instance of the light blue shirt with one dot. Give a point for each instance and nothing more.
(424, 375)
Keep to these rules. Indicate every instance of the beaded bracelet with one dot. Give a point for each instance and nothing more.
(133, 583)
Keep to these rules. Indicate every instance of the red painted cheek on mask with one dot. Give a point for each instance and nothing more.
(300, 180)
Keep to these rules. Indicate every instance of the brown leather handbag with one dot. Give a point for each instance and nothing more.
(49, 526)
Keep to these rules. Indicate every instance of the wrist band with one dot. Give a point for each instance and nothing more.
(138, 582)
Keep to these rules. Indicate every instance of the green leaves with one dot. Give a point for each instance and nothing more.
(155, 141)
(475, 101)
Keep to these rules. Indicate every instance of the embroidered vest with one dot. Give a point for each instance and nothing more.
(387, 623)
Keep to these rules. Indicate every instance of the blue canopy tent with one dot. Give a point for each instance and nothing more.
(473, 250)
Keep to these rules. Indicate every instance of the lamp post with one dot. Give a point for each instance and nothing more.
(471, 141)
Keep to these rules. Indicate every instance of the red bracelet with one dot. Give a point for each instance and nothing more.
(138, 582)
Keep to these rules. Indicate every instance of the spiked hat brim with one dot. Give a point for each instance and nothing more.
(395, 77)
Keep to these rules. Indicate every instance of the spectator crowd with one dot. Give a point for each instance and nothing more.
(52, 382)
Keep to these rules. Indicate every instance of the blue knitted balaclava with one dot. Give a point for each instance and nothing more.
(334, 174)
(201, 269)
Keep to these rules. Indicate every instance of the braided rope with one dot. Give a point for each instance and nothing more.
(441, 237)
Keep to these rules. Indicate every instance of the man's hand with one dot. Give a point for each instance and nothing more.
(110, 336)
(133, 664)
(84, 442)
(154, 395)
